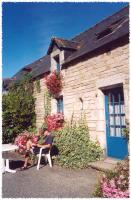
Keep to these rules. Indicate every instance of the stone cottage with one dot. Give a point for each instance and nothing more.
(95, 68)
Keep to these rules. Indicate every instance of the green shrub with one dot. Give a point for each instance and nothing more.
(126, 130)
(98, 190)
(18, 109)
(37, 86)
(76, 149)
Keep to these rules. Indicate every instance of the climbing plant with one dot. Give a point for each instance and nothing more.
(37, 86)
(47, 102)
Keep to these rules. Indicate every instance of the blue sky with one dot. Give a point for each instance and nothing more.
(28, 27)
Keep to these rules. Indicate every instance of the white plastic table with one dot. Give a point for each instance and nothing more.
(8, 147)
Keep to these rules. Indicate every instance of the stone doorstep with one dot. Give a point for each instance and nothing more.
(104, 165)
(112, 160)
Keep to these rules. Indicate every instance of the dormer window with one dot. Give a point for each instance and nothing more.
(104, 33)
(59, 50)
(57, 60)
(27, 69)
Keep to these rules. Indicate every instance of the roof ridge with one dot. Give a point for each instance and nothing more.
(65, 39)
(105, 18)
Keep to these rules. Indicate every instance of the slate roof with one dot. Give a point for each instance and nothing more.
(37, 68)
(115, 26)
(63, 44)
(110, 29)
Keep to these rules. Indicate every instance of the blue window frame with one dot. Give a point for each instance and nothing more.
(60, 108)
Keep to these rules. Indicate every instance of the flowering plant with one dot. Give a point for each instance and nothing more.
(115, 188)
(115, 184)
(54, 122)
(54, 83)
(22, 138)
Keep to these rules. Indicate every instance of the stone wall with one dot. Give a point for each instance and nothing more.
(86, 79)
(39, 103)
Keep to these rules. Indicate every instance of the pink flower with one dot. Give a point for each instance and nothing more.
(122, 176)
(54, 83)
(119, 182)
(112, 183)
(55, 121)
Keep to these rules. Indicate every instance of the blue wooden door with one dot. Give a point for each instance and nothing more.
(115, 123)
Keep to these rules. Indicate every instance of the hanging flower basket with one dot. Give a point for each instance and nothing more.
(54, 83)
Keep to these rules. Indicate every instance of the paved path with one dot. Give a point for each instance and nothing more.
(49, 182)
(105, 164)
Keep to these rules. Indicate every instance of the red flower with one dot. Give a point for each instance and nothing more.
(55, 122)
(21, 140)
(54, 83)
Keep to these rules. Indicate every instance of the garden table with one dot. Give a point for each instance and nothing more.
(5, 148)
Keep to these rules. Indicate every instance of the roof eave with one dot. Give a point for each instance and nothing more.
(65, 64)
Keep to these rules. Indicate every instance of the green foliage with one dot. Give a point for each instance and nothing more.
(76, 149)
(44, 125)
(47, 103)
(18, 109)
(126, 130)
(32, 130)
(37, 85)
(98, 190)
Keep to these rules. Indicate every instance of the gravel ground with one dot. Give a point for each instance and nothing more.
(56, 182)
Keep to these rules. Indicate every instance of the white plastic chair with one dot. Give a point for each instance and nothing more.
(47, 155)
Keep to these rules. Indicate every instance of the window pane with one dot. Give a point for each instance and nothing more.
(60, 105)
(57, 61)
(112, 132)
(58, 67)
(118, 132)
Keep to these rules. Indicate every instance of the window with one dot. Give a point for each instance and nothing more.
(118, 21)
(60, 105)
(104, 33)
(57, 63)
(58, 67)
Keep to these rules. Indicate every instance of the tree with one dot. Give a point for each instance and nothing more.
(18, 108)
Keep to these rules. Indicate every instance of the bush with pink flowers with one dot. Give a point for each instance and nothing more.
(22, 138)
(54, 83)
(114, 184)
(54, 122)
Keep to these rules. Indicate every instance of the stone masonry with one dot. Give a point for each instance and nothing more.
(85, 80)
